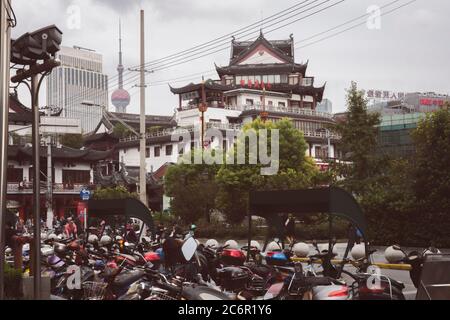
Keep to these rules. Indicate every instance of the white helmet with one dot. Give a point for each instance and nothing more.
(231, 244)
(393, 256)
(212, 243)
(52, 237)
(105, 240)
(8, 251)
(358, 251)
(255, 244)
(119, 238)
(44, 236)
(301, 250)
(273, 246)
(92, 238)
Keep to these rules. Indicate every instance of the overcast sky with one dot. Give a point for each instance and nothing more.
(410, 52)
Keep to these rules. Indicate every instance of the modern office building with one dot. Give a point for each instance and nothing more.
(325, 106)
(79, 86)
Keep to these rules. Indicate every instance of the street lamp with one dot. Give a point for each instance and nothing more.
(27, 51)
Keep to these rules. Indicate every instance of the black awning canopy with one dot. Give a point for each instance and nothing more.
(128, 208)
(335, 201)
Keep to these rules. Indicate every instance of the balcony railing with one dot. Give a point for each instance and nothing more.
(287, 110)
(190, 129)
(58, 188)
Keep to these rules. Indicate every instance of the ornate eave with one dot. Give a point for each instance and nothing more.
(192, 87)
(261, 69)
(235, 59)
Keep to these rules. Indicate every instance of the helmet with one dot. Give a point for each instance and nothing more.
(60, 248)
(8, 250)
(52, 237)
(119, 238)
(55, 262)
(44, 236)
(193, 227)
(231, 244)
(105, 240)
(301, 249)
(212, 243)
(99, 265)
(92, 238)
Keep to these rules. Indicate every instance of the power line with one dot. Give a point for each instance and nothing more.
(355, 26)
(183, 60)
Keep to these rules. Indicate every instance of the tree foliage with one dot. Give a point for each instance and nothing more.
(193, 188)
(296, 170)
(119, 192)
(120, 131)
(74, 141)
(358, 143)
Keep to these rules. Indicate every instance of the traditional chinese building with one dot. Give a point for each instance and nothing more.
(72, 171)
(262, 79)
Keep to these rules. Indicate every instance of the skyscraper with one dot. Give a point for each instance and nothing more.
(78, 80)
(120, 98)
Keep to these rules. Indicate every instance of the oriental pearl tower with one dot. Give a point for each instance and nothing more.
(120, 97)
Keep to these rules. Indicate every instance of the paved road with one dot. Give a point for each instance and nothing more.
(378, 257)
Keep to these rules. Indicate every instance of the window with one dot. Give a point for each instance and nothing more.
(15, 174)
(157, 152)
(293, 80)
(277, 78)
(270, 103)
(249, 102)
(271, 79)
(147, 152)
(224, 146)
(76, 176)
(169, 150)
(284, 78)
(321, 152)
(282, 104)
(307, 82)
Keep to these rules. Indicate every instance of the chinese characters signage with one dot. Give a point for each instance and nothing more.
(383, 95)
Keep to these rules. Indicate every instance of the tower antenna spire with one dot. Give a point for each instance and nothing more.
(120, 67)
(120, 98)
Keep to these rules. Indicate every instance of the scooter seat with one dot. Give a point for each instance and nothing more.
(126, 279)
(317, 281)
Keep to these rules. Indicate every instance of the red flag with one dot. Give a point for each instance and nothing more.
(242, 83)
(250, 83)
(269, 86)
(257, 84)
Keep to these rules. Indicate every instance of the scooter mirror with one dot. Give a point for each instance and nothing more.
(188, 249)
(314, 243)
(397, 247)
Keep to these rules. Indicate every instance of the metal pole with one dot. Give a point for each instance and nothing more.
(4, 109)
(36, 259)
(49, 184)
(329, 143)
(142, 172)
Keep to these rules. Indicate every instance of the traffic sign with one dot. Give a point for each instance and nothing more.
(85, 194)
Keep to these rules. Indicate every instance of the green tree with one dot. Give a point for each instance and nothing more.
(120, 131)
(74, 141)
(192, 187)
(296, 170)
(119, 192)
(358, 144)
(431, 174)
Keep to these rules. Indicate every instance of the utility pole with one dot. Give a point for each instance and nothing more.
(5, 42)
(203, 109)
(49, 181)
(143, 171)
